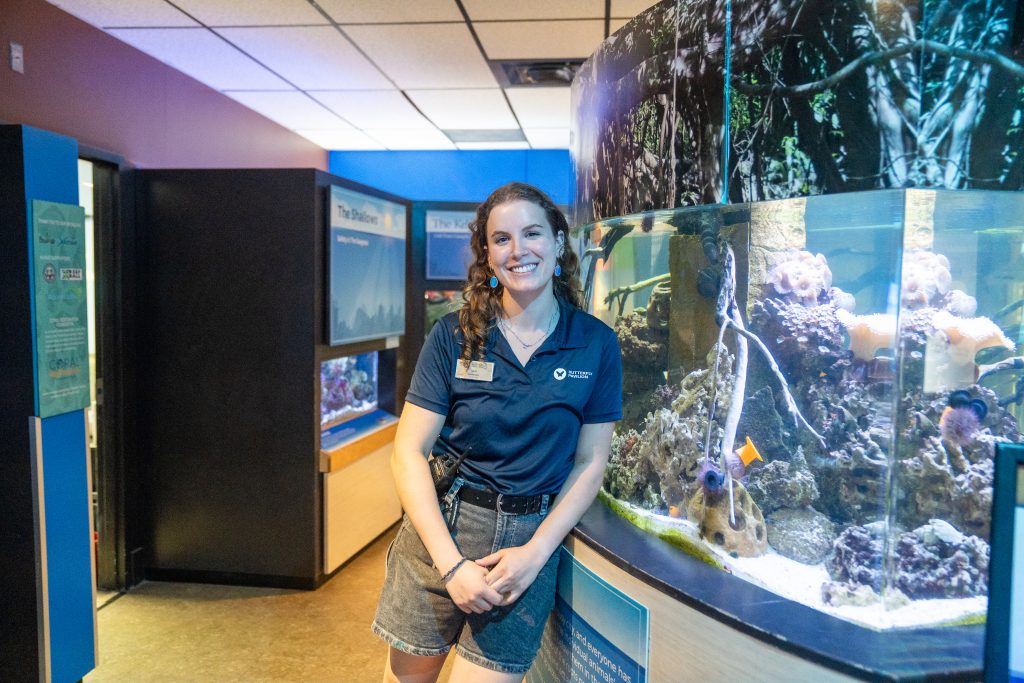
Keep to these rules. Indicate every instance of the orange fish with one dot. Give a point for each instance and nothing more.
(748, 453)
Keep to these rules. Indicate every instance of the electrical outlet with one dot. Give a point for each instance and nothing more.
(17, 57)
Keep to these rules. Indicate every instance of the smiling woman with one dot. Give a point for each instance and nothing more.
(518, 391)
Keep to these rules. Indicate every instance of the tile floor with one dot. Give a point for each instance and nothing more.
(183, 633)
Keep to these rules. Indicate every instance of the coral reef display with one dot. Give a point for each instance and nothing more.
(348, 387)
(851, 422)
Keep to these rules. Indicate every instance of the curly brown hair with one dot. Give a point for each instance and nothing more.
(481, 302)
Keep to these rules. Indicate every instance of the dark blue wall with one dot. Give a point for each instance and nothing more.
(456, 176)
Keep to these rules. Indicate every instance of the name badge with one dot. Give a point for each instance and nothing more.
(477, 370)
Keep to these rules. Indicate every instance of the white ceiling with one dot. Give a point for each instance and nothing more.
(374, 74)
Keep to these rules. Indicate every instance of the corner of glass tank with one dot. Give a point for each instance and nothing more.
(813, 389)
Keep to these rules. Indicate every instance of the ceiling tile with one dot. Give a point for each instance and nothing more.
(534, 9)
(464, 109)
(203, 56)
(411, 139)
(541, 107)
(290, 109)
(381, 109)
(540, 39)
(340, 139)
(625, 9)
(120, 13)
(391, 11)
(493, 145)
(548, 138)
(311, 57)
(251, 12)
(425, 55)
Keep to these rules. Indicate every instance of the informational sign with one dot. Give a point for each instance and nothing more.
(367, 267)
(596, 633)
(61, 318)
(448, 250)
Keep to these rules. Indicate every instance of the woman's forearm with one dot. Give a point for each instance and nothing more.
(579, 490)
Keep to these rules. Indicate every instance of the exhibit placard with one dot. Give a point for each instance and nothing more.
(367, 267)
(61, 334)
(448, 250)
(596, 633)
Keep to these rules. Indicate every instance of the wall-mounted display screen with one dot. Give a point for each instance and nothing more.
(448, 250)
(367, 267)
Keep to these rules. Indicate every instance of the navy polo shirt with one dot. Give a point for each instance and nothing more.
(522, 427)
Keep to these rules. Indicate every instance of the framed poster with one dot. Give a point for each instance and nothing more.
(448, 250)
(366, 297)
(61, 334)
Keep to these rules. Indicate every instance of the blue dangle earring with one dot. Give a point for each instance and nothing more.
(493, 282)
(558, 270)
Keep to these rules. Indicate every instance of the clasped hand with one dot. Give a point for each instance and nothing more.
(474, 588)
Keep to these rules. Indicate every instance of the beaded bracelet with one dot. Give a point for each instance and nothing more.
(451, 572)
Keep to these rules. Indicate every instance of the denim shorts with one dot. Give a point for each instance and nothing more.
(416, 615)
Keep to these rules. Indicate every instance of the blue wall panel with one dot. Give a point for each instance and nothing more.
(51, 174)
(456, 176)
(68, 555)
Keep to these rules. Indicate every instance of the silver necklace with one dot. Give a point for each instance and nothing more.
(508, 328)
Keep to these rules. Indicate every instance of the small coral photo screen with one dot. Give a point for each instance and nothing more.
(348, 388)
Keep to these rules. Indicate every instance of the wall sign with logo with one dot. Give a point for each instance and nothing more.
(367, 268)
(448, 250)
(61, 350)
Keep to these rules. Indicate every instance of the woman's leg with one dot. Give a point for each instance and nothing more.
(403, 667)
(465, 671)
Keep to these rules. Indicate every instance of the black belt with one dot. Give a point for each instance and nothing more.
(510, 505)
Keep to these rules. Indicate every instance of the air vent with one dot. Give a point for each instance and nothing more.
(536, 74)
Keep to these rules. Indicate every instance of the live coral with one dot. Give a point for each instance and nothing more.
(967, 336)
(868, 333)
(801, 277)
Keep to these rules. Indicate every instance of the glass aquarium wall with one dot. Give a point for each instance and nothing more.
(813, 388)
(348, 388)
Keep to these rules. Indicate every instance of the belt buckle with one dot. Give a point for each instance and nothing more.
(513, 508)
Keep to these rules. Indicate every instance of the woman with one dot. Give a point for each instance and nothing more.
(525, 387)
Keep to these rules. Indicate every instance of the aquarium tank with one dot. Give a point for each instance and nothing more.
(348, 388)
(813, 389)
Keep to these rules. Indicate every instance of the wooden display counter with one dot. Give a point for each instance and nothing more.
(360, 501)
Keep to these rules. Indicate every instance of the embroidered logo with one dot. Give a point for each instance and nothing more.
(562, 373)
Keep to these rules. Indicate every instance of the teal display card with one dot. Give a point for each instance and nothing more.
(61, 315)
